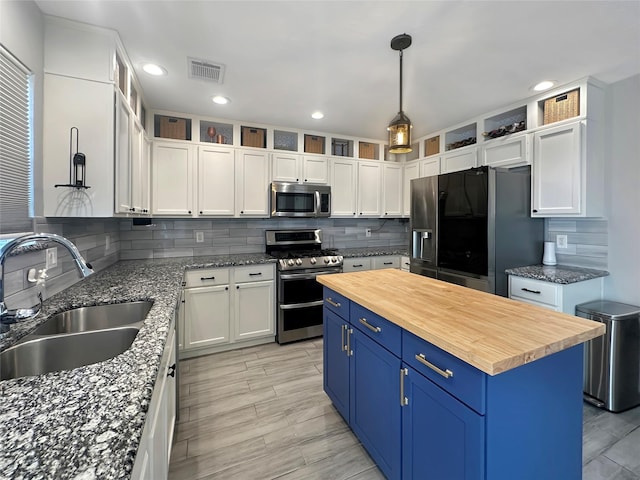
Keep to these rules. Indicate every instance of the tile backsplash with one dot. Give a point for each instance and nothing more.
(89, 235)
(177, 237)
(587, 241)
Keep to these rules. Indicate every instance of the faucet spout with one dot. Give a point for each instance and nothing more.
(11, 316)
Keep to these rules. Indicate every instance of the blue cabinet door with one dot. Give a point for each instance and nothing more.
(442, 439)
(375, 402)
(336, 362)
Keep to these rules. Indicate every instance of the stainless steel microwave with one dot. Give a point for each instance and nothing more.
(300, 200)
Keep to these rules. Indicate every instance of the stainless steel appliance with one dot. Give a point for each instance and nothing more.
(300, 200)
(467, 227)
(612, 362)
(299, 297)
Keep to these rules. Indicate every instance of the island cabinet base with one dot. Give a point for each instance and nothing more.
(422, 413)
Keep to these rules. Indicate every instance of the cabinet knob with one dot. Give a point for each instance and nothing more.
(189, 212)
(237, 287)
(200, 212)
(297, 179)
(226, 288)
(306, 180)
(241, 211)
(535, 211)
(172, 371)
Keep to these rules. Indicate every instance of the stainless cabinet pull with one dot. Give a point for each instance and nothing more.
(445, 373)
(404, 401)
(331, 302)
(387, 263)
(207, 278)
(255, 274)
(531, 291)
(349, 351)
(342, 329)
(364, 322)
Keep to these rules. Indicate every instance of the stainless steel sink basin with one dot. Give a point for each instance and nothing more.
(98, 317)
(63, 352)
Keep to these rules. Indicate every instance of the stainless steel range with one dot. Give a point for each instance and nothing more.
(300, 259)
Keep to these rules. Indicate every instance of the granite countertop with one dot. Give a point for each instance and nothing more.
(86, 423)
(373, 251)
(557, 274)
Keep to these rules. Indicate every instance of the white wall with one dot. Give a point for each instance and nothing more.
(22, 33)
(623, 191)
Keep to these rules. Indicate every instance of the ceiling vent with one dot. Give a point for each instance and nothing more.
(205, 70)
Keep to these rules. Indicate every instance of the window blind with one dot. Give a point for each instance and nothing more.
(15, 145)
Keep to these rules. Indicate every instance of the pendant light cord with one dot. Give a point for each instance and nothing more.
(400, 80)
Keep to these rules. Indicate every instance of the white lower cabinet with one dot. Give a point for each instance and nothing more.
(385, 261)
(405, 263)
(225, 306)
(154, 451)
(555, 296)
(357, 264)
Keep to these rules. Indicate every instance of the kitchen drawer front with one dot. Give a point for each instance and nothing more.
(534, 290)
(391, 261)
(204, 277)
(254, 273)
(356, 264)
(464, 381)
(336, 303)
(387, 334)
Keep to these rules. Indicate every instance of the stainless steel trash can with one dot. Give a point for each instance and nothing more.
(612, 361)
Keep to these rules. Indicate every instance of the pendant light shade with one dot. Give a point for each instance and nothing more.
(400, 127)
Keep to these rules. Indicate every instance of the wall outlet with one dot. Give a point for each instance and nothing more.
(107, 243)
(51, 257)
(367, 232)
(561, 241)
(199, 237)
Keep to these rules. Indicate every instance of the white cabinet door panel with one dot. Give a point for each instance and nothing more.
(454, 162)
(254, 310)
(207, 311)
(392, 190)
(172, 172)
(216, 181)
(506, 152)
(344, 175)
(369, 191)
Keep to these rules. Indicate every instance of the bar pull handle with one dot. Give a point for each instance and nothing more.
(331, 302)
(342, 330)
(387, 263)
(537, 292)
(404, 401)
(445, 373)
(359, 265)
(255, 274)
(349, 351)
(207, 278)
(364, 322)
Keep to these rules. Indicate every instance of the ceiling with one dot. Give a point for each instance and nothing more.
(285, 60)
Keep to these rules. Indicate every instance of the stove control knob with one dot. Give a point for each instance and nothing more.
(326, 260)
(312, 261)
(290, 262)
(334, 259)
(298, 261)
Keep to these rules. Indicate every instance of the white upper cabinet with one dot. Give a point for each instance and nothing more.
(557, 171)
(460, 160)
(288, 167)
(369, 189)
(172, 178)
(216, 181)
(252, 183)
(392, 190)
(411, 171)
(344, 187)
(430, 167)
(507, 152)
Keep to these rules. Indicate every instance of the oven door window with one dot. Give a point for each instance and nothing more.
(301, 317)
(295, 202)
(304, 289)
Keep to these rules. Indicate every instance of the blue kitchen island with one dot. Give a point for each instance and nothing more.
(443, 382)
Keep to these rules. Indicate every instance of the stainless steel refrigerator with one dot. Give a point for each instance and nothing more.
(467, 227)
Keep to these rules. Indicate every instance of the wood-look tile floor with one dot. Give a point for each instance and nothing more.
(260, 413)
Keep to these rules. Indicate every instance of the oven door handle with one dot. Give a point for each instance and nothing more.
(302, 305)
(305, 276)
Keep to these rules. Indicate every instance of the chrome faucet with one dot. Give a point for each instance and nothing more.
(8, 317)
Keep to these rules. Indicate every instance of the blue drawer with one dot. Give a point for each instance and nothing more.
(463, 381)
(387, 334)
(339, 304)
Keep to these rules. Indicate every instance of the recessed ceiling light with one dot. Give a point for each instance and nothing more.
(220, 100)
(545, 85)
(153, 69)
(317, 115)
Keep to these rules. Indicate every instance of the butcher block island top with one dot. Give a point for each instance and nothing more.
(492, 333)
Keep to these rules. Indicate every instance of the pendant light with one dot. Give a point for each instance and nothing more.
(400, 127)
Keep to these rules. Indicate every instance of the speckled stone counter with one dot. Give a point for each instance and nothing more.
(557, 274)
(372, 251)
(86, 423)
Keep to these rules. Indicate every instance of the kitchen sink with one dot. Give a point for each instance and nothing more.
(97, 317)
(39, 355)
